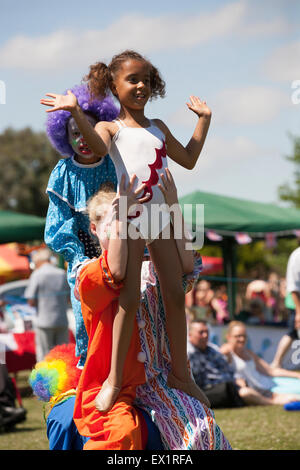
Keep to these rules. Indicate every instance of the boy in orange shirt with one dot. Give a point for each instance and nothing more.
(99, 284)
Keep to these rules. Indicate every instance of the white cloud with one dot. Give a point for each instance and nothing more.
(69, 49)
(284, 63)
(220, 156)
(249, 105)
(223, 150)
(265, 28)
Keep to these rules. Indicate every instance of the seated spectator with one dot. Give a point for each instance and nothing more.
(210, 369)
(258, 288)
(202, 299)
(274, 286)
(10, 415)
(258, 313)
(260, 383)
(219, 304)
(284, 301)
(260, 302)
(190, 315)
(240, 313)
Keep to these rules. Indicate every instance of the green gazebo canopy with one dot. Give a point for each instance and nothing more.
(228, 215)
(16, 227)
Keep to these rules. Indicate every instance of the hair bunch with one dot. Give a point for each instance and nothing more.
(101, 76)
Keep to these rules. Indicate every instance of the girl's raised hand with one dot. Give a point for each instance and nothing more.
(198, 107)
(66, 102)
(168, 188)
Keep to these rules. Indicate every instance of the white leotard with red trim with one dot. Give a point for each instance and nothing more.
(142, 151)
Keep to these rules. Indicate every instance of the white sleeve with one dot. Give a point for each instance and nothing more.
(293, 273)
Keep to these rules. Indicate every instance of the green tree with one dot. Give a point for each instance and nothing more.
(255, 259)
(26, 160)
(286, 192)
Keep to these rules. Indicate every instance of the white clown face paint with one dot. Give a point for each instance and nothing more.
(83, 153)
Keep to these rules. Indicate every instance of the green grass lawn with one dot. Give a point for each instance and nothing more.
(260, 428)
(29, 435)
(249, 428)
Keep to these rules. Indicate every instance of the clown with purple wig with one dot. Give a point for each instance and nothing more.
(72, 182)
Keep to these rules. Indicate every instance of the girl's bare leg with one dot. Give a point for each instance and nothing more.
(165, 257)
(123, 325)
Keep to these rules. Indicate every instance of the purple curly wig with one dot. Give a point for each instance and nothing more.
(56, 124)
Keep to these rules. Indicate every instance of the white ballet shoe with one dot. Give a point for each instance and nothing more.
(106, 397)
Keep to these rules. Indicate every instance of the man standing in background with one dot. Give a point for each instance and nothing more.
(48, 291)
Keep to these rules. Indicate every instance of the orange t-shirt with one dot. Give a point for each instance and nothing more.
(119, 428)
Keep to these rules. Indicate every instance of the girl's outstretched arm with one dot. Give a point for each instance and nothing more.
(98, 140)
(188, 156)
(170, 194)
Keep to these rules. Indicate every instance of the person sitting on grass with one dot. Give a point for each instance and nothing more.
(260, 383)
(211, 371)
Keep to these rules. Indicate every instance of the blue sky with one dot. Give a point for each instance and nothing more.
(240, 56)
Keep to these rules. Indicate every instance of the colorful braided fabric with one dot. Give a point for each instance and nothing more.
(184, 423)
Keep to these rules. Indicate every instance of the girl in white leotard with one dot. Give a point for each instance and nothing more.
(139, 146)
(142, 151)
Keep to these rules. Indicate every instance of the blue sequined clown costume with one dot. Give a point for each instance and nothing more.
(70, 186)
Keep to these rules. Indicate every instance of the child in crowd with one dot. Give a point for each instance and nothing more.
(139, 146)
(73, 181)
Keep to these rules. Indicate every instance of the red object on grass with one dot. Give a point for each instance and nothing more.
(24, 358)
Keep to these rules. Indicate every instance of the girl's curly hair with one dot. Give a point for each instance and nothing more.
(103, 109)
(100, 77)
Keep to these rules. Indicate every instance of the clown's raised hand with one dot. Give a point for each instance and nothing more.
(66, 102)
(198, 107)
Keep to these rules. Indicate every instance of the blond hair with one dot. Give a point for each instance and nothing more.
(97, 204)
(41, 255)
(234, 324)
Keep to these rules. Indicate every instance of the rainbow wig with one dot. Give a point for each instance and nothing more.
(56, 124)
(56, 374)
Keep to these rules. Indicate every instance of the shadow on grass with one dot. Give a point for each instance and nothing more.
(20, 430)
